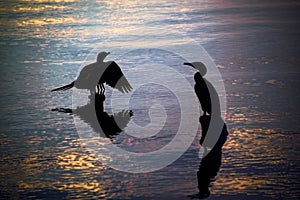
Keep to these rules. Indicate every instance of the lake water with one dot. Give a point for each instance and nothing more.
(44, 44)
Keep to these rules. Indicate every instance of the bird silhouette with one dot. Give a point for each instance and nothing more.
(204, 90)
(214, 131)
(96, 74)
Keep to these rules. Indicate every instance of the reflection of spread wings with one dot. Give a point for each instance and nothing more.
(103, 123)
(114, 77)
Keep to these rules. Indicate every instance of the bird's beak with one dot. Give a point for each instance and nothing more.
(108, 53)
(189, 64)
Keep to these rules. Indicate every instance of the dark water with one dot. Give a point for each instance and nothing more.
(44, 44)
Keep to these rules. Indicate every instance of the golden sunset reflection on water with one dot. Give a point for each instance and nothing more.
(75, 162)
(48, 1)
(258, 148)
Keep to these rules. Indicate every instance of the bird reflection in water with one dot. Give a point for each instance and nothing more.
(100, 121)
(211, 163)
(212, 126)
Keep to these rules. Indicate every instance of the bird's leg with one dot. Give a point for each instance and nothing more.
(102, 89)
(98, 89)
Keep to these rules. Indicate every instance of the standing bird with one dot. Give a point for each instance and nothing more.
(96, 74)
(204, 90)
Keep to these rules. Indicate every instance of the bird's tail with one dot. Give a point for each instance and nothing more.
(66, 87)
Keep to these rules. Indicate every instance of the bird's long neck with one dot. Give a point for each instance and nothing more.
(198, 78)
(103, 63)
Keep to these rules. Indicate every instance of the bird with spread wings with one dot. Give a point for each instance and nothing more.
(95, 75)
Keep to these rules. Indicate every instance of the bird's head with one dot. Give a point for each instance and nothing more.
(101, 56)
(199, 66)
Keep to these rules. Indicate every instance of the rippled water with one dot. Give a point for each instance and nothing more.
(45, 43)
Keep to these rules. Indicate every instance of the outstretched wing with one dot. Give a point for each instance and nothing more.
(122, 118)
(114, 77)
